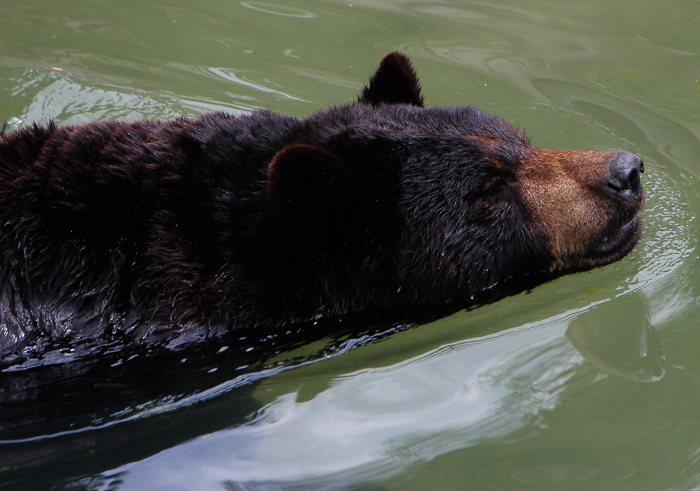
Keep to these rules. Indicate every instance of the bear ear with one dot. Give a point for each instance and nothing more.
(394, 82)
(307, 187)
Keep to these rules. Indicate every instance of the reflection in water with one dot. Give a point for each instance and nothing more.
(70, 102)
(617, 337)
(76, 104)
(230, 75)
(271, 8)
(376, 423)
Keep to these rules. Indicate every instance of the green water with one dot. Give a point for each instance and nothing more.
(590, 382)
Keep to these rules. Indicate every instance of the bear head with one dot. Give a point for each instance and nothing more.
(458, 201)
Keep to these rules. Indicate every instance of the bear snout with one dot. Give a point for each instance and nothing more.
(584, 202)
(623, 176)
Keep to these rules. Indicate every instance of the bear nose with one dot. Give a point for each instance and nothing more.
(623, 176)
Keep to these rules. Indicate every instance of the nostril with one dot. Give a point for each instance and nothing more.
(627, 180)
(624, 171)
(633, 179)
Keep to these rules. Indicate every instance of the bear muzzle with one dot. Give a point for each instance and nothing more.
(585, 204)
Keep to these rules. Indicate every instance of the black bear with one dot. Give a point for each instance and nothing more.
(147, 230)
